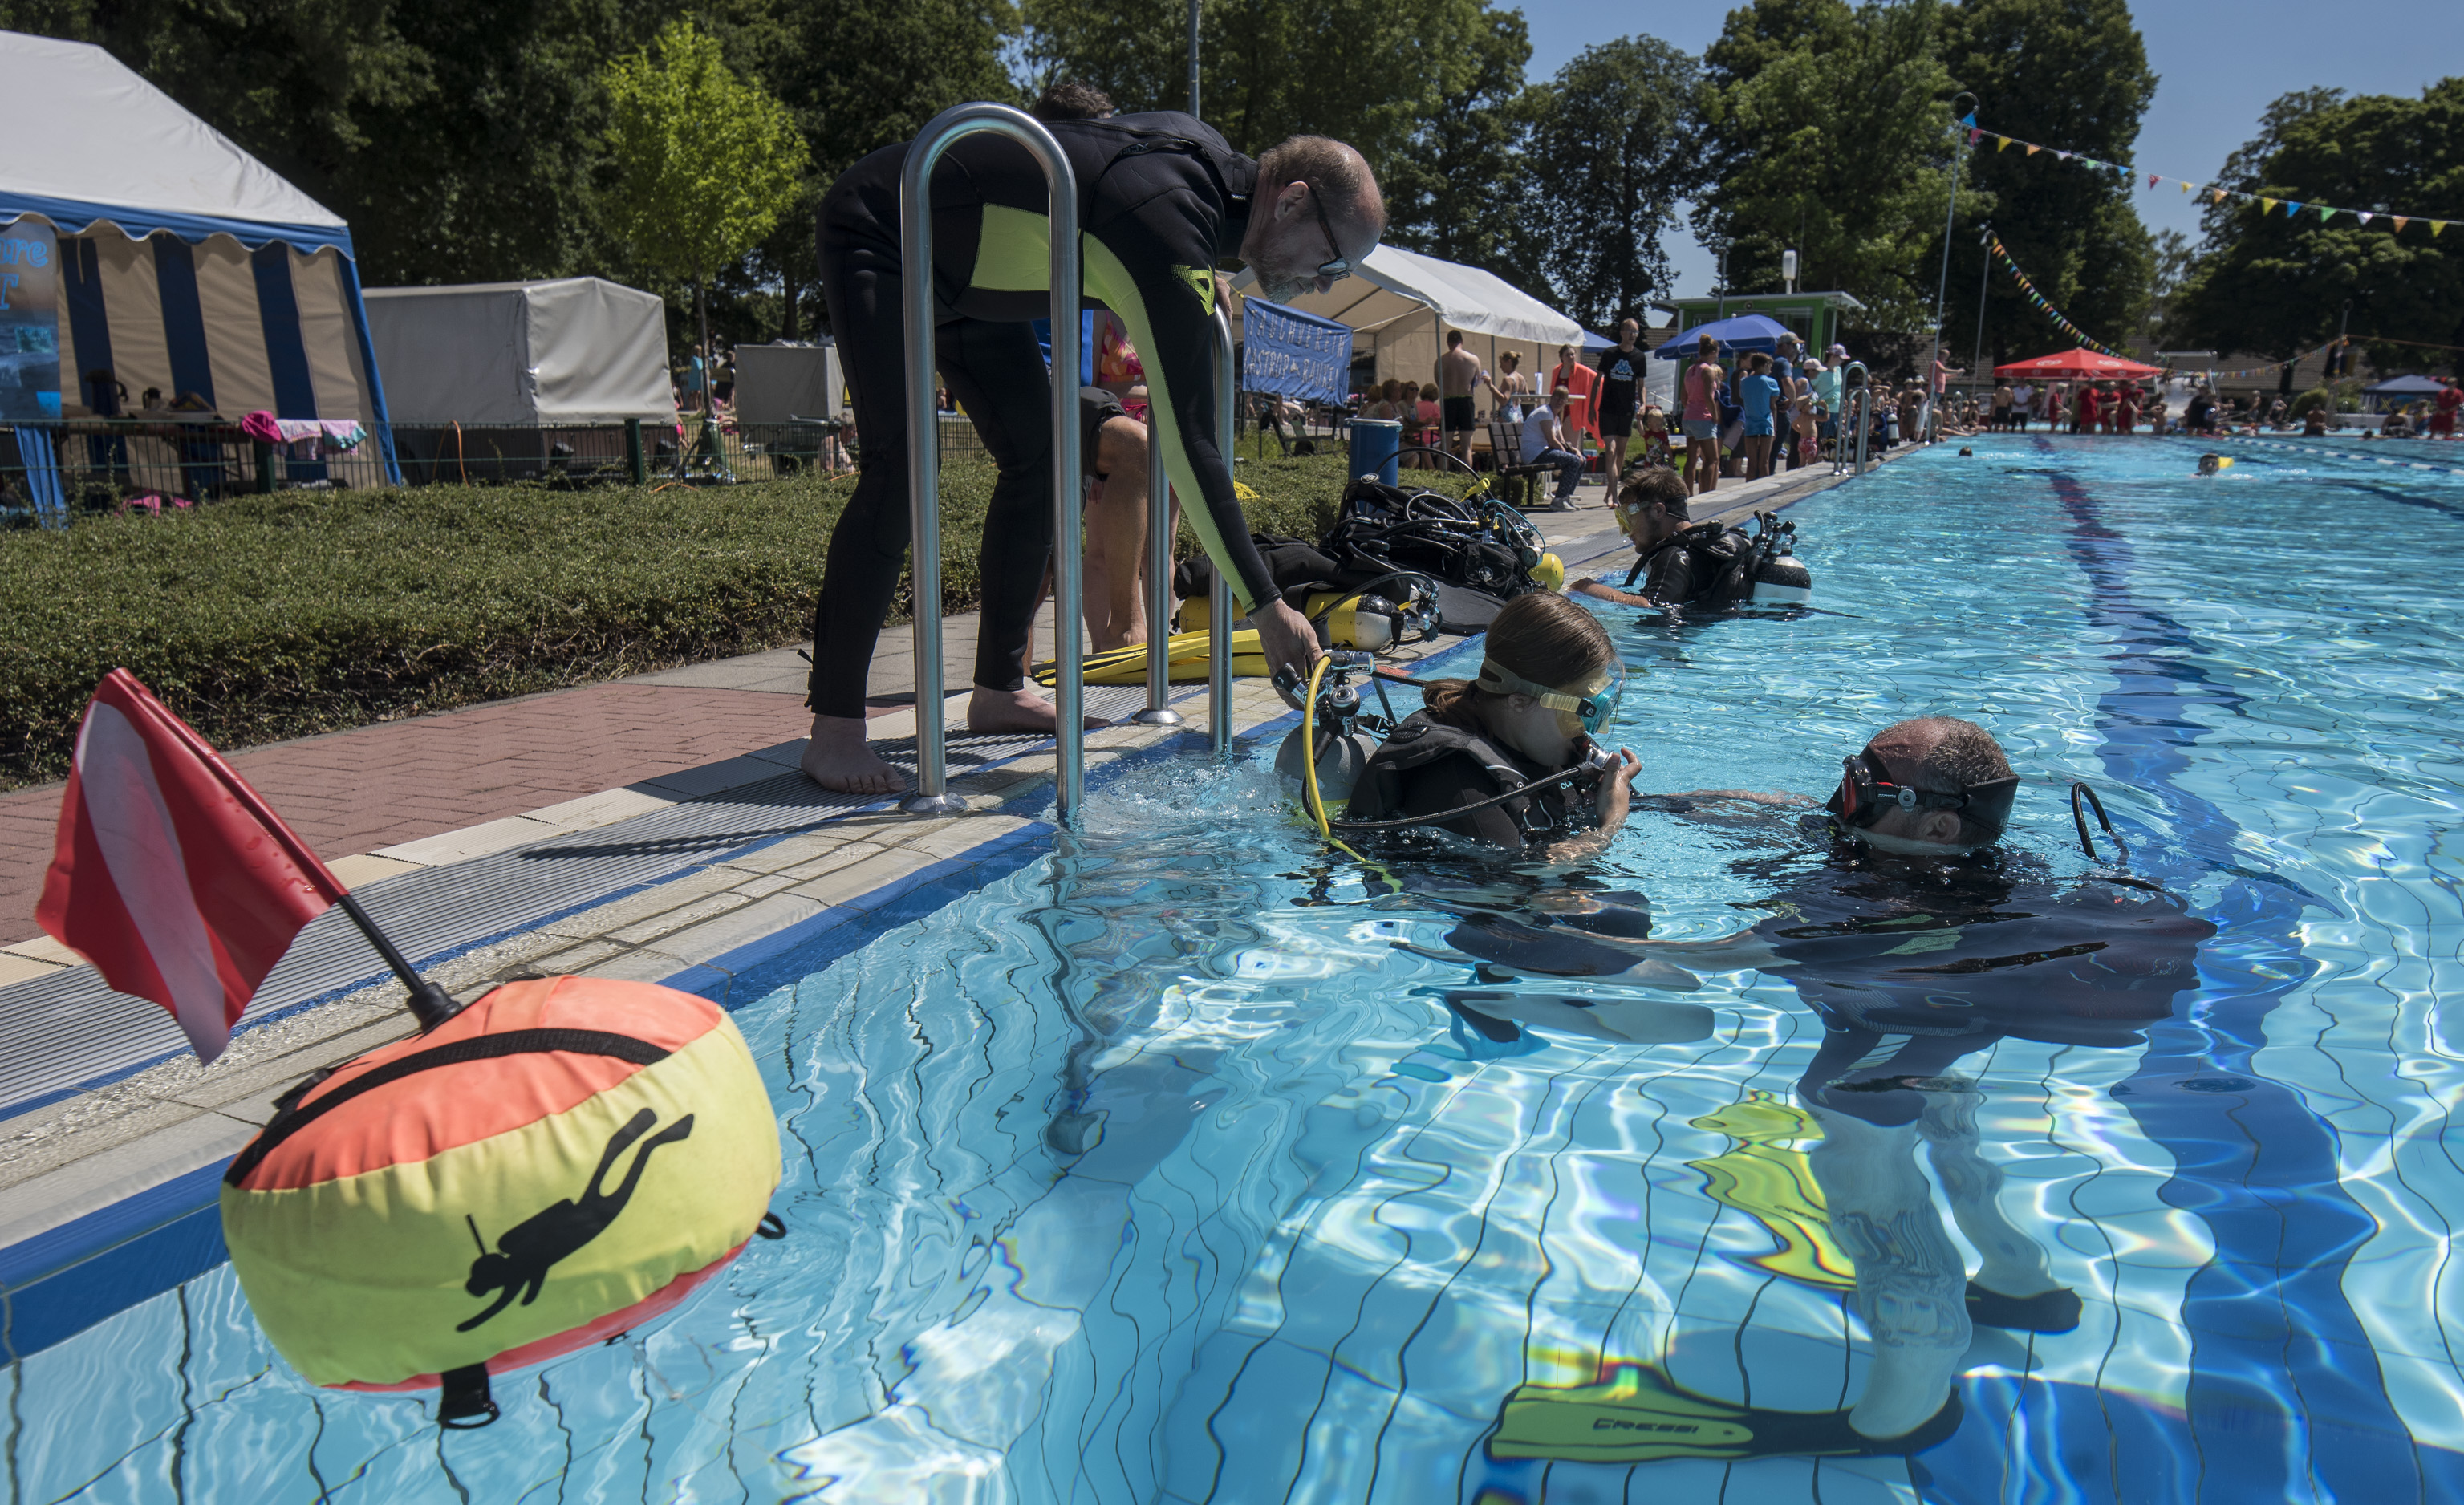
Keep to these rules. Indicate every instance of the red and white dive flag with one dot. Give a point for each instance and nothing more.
(171, 875)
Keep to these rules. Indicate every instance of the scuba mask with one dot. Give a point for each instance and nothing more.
(1590, 712)
(1865, 792)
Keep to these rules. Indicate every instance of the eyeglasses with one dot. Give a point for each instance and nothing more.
(1866, 793)
(1341, 266)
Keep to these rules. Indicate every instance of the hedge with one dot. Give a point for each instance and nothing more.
(270, 617)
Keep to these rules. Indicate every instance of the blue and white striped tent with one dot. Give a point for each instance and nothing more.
(185, 264)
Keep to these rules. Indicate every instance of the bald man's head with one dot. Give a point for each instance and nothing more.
(1316, 205)
(1946, 756)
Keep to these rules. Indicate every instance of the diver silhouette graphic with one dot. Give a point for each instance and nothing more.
(525, 1251)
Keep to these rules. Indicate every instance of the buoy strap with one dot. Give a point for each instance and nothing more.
(481, 1047)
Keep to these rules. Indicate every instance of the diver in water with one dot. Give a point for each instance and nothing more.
(1709, 566)
(1917, 942)
(2211, 464)
(1507, 758)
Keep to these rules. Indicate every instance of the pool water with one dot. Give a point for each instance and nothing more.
(1160, 1170)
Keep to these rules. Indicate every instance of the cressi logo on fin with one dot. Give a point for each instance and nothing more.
(1636, 1416)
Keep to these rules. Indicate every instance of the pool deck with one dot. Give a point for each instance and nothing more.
(652, 829)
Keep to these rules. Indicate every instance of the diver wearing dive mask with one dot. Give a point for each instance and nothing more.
(1897, 816)
(1524, 729)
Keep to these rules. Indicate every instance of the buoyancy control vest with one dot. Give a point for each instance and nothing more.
(1709, 564)
(1544, 815)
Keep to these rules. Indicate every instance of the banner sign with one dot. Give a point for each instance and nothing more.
(1292, 353)
(30, 322)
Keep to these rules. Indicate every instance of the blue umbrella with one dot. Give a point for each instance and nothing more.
(1744, 332)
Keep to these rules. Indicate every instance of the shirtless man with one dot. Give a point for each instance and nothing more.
(1459, 376)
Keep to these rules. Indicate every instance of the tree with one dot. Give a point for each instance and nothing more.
(2279, 282)
(1831, 135)
(705, 162)
(2072, 74)
(1604, 166)
(859, 76)
(1374, 70)
(1441, 190)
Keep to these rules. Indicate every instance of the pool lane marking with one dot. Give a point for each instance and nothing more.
(2342, 454)
(2271, 1305)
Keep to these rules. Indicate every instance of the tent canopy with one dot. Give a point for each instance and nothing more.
(1390, 283)
(1744, 332)
(1396, 301)
(95, 141)
(2405, 386)
(2077, 365)
(573, 350)
(184, 265)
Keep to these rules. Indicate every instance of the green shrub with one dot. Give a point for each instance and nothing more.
(270, 617)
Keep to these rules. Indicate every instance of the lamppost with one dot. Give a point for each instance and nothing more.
(1193, 57)
(1984, 276)
(1950, 213)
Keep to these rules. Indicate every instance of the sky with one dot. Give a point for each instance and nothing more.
(2217, 64)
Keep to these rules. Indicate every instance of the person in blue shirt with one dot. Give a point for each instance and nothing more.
(1758, 393)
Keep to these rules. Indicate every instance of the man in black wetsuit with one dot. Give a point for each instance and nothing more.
(1162, 200)
(1916, 943)
(1682, 562)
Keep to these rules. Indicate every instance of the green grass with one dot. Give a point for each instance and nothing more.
(271, 617)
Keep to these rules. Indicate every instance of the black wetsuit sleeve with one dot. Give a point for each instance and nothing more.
(1670, 581)
(1448, 783)
(1154, 265)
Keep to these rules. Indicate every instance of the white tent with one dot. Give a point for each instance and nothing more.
(572, 350)
(185, 264)
(1398, 301)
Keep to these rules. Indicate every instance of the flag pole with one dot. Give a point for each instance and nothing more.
(430, 1004)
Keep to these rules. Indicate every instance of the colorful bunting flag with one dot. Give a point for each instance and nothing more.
(2216, 194)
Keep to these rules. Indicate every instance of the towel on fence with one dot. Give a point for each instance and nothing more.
(333, 435)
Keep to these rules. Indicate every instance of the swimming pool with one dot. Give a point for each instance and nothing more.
(1159, 1170)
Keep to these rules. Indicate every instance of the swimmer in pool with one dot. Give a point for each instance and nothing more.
(2211, 464)
(1916, 941)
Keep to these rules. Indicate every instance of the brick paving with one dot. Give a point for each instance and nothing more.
(375, 786)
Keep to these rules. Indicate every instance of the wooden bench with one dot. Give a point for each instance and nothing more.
(1517, 482)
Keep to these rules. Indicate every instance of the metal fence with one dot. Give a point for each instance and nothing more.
(53, 474)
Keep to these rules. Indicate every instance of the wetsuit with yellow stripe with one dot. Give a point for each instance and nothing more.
(1162, 201)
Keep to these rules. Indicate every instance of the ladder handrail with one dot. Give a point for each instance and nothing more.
(1218, 620)
(932, 794)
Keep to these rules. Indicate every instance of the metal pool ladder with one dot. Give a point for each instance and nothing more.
(932, 794)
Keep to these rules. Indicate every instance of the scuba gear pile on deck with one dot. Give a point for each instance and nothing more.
(1399, 566)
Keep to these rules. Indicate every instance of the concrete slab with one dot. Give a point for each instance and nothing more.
(470, 841)
(18, 968)
(710, 778)
(605, 808)
(360, 869)
(94, 1182)
(757, 921)
(43, 948)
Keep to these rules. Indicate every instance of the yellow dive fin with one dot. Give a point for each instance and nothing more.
(1772, 1184)
(1129, 665)
(1636, 1417)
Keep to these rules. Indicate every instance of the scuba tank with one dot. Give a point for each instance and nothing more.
(1780, 578)
(1343, 745)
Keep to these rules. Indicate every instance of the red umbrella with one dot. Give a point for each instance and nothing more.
(2077, 365)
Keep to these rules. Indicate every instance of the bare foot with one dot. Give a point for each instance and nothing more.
(1014, 711)
(838, 758)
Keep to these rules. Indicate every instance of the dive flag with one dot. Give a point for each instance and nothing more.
(168, 872)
